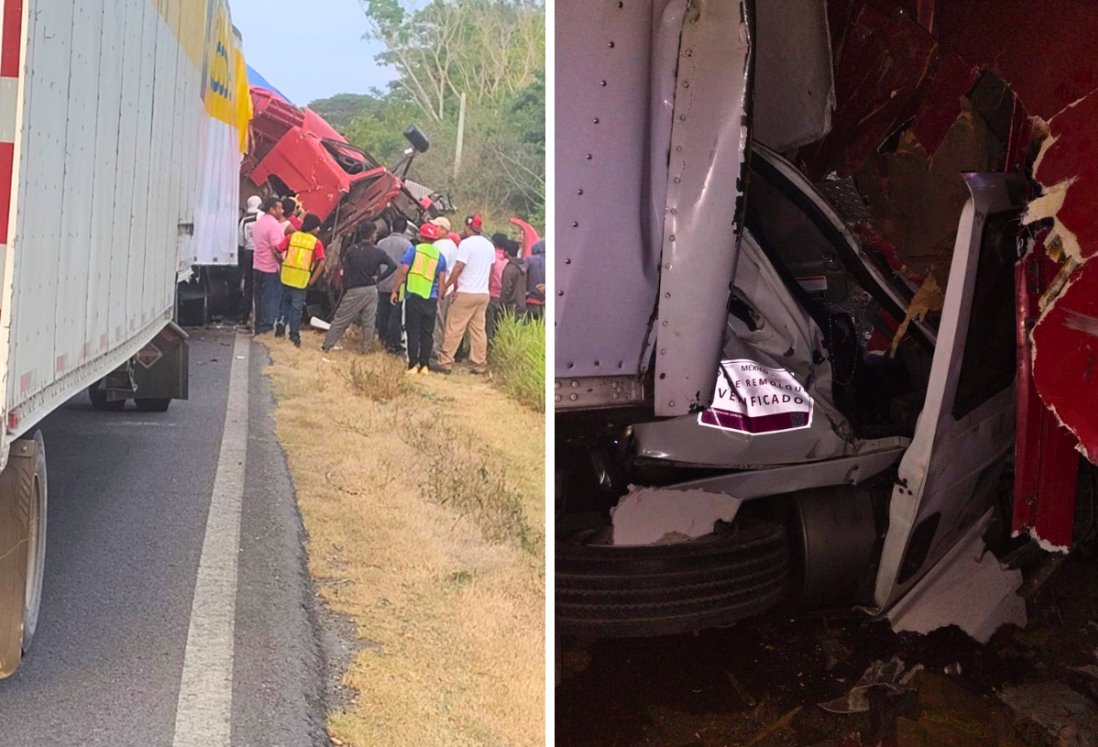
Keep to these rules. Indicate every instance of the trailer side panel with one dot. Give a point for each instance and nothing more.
(116, 103)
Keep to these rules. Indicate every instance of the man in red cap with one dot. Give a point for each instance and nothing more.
(422, 278)
(449, 247)
(470, 277)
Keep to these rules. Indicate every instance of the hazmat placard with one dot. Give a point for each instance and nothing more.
(753, 398)
(149, 355)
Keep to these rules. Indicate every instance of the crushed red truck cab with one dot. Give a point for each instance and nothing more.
(300, 153)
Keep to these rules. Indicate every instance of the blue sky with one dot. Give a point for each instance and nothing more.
(309, 50)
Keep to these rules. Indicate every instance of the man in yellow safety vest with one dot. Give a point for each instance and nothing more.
(421, 273)
(302, 256)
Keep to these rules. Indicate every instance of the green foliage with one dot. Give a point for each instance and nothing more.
(381, 132)
(341, 109)
(517, 356)
(493, 52)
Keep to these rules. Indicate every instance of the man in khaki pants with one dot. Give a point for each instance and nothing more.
(470, 275)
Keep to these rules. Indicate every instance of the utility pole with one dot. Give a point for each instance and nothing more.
(460, 135)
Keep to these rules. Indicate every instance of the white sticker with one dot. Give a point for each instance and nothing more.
(752, 398)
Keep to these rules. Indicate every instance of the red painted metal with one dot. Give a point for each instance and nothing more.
(1044, 51)
(314, 161)
(7, 158)
(1043, 48)
(883, 63)
(529, 235)
(942, 104)
(1074, 156)
(1065, 338)
(11, 26)
(12, 31)
(1045, 461)
(1065, 364)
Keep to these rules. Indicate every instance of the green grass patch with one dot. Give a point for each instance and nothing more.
(517, 357)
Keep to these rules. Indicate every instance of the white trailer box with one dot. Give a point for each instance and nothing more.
(121, 122)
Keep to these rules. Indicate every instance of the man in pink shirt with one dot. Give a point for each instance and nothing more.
(266, 262)
(495, 284)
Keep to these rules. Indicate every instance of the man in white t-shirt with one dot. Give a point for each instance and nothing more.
(469, 277)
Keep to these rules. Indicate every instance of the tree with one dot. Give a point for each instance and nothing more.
(493, 52)
(486, 49)
(341, 109)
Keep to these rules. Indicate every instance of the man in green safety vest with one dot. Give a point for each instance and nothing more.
(422, 272)
(302, 256)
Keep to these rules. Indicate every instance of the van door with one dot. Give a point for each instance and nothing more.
(947, 478)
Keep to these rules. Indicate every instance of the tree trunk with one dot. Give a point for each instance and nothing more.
(460, 135)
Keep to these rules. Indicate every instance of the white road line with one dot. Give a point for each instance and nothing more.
(203, 716)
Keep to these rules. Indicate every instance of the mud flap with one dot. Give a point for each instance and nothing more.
(16, 523)
(161, 368)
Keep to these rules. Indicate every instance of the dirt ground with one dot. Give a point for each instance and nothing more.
(761, 682)
(423, 500)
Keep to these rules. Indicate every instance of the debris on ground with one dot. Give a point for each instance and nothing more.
(1071, 718)
(948, 714)
(891, 675)
(726, 686)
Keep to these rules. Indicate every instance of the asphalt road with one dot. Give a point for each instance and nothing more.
(129, 498)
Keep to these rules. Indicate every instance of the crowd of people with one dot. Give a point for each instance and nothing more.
(429, 286)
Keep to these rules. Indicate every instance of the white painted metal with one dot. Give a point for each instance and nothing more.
(109, 107)
(949, 467)
(794, 87)
(607, 263)
(650, 142)
(968, 588)
(704, 182)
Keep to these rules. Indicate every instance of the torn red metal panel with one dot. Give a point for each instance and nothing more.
(916, 197)
(1072, 155)
(942, 104)
(875, 87)
(272, 118)
(315, 162)
(1065, 338)
(1045, 462)
(883, 61)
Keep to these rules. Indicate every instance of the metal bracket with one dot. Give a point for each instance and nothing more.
(600, 391)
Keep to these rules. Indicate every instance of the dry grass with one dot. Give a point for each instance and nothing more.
(424, 503)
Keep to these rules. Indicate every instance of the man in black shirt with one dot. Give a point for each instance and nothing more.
(362, 269)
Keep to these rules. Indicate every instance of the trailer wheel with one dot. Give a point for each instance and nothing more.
(100, 402)
(149, 404)
(23, 501)
(646, 590)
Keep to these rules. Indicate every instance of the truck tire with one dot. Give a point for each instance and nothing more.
(99, 400)
(23, 502)
(157, 404)
(632, 591)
